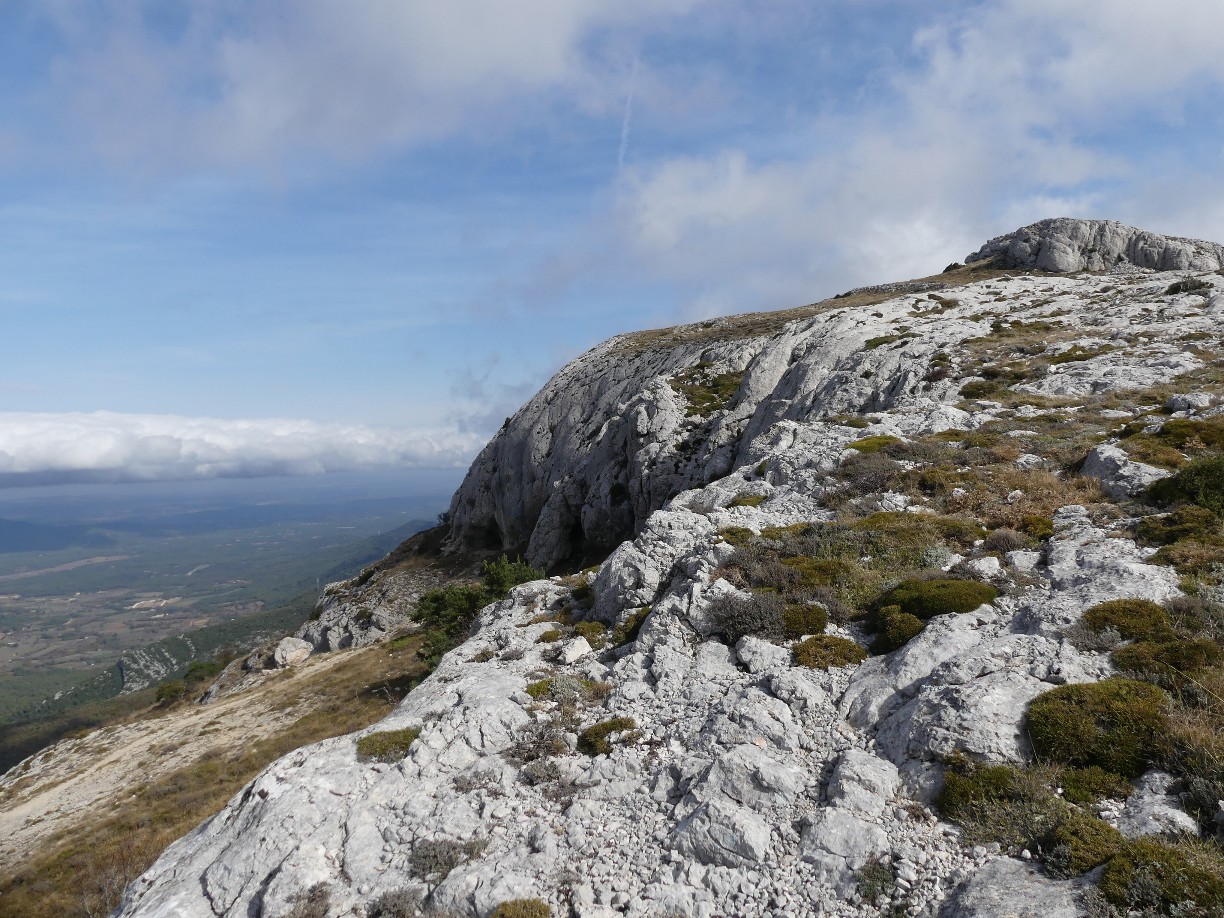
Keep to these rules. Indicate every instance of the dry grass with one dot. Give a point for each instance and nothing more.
(82, 871)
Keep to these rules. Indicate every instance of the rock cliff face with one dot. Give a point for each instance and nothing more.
(722, 777)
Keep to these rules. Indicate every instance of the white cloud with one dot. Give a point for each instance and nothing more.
(106, 446)
(1004, 113)
(264, 84)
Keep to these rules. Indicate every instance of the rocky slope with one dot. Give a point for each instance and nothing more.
(722, 464)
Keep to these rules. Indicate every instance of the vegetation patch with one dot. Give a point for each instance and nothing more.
(1132, 619)
(894, 629)
(386, 745)
(925, 599)
(1076, 353)
(873, 444)
(825, 651)
(437, 857)
(1080, 842)
(1200, 482)
(598, 739)
(998, 803)
(596, 633)
(1088, 785)
(1188, 285)
(802, 619)
(1118, 724)
(707, 391)
(522, 908)
(1169, 878)
(747, 500)
(627, 631)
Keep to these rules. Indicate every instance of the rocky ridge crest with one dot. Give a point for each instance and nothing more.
(730, 779)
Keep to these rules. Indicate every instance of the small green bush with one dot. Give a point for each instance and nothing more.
(875, 879)
(627, 631)
(386, 745)
(1187, 285)
(997, 803)
(1163, 876)
(596, 633)
(1085, 842)
(1117, 724)
(170, 691)
(980, 388)
(873, 444)
(747, 500)
(396, 903)
(759, 615)
(522, 908)
(538, 690)
(737, 535)
(869, 472)
(799, 620)
(502, 575)
(313, 903)
(825, 651)
(439, 856)
(595, 740)
(1134, 619)
(1199, 482)
(1088, 785)
(1189, 522)
(550, 636)
(895, 629)
(928, 598)
(1168, 662)
(1039, 527)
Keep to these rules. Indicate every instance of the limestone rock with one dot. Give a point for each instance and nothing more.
(1009, 888)
(291, 651)
(1119, 475)
(1152, 810)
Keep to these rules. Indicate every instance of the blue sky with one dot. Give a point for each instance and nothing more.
(244, 238)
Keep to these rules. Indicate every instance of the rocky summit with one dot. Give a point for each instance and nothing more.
(903, 603)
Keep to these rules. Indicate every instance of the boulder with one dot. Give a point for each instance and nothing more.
(291, 651)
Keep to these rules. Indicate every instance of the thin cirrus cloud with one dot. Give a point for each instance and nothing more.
(46, 448)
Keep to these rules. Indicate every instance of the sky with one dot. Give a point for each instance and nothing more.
(242, 239)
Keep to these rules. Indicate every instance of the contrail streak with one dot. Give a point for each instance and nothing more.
(628, 119)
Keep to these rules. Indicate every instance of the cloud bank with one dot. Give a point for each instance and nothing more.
(44, 448)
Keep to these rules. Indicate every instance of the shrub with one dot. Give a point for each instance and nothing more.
(627, 631)
(873, 444)
(502, 575)
(386, 745)
(928, 598)
(522, 908)
(1189, 522)
(1199, 482)
(1088, 785)
(799, 619)
(596, 740)
(313, 903)
(396, 903)
(895, 629)
(1005, 540)
(439, 856)
(1169, 662)
(1187, 285)
(550, 636)
(875, 879)
(1080, 842)
(1133, 619)
(980, 388)
(869, 472)
(596, 633)
(706, 391)
(539, 740)
(1117, 724)
(538, 690)
(996, 803)
(737, 535)
(1163, 876)
(759, 615)
(1039, 527)
(170, 691)
(825, 651)
(747, 500)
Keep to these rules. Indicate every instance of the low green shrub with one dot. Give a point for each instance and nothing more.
(759, 615)
(894, 629)
(627, 631)
(552, 635)
(927, 598)
(873, 444)
(869, 473)
(522, 908)
(1088, 785)
(596, 633)
(502, 575)
(1187, 285)
(1118, 724)
(1080, 842)
(1039, 527)
(737, 535)
(313, 903)
(825, 651)
(386, 745)
(980, 388)
(1166, 877)
(169, 691)
(875, 879)
(1200, 482)
(596, 740)
(396, 903)
(1133, 619)
(801, 619)
(439, 856)
(1005, 540)
(538, 690)
(1189, 522)
(747, 500)
(997, 803)
(1169, 662)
